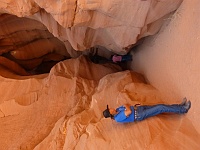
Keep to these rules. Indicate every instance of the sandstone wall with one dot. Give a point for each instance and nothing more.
(31, 30)
(87, 23)
(63, 109)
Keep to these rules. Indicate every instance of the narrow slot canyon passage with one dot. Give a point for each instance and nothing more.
(57, 75)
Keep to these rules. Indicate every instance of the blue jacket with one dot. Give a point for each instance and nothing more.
(121, 117)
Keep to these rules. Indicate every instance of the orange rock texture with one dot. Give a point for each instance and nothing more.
(31, 29)
(62, 109)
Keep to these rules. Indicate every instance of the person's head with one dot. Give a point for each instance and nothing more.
(109, 112)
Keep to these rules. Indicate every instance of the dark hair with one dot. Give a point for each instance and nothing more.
(106, 113)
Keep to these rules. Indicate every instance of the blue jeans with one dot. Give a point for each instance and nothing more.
(144, 112)
(126, 58)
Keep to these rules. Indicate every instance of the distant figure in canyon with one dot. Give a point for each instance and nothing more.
(128, 113)
(114, 58)
(98, 59)
(121, 58)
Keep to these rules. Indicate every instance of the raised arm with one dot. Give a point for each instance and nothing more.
(128, 110)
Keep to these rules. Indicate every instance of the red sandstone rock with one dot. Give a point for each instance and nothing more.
(63, 109)
(13, 66)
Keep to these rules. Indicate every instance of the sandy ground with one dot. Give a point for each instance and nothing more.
(170, 60)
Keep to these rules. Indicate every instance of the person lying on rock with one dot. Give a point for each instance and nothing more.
(128, 113)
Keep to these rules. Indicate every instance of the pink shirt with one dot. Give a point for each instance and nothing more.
(116, 58)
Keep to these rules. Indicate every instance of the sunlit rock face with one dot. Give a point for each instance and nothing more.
(53, 31)
(85, 24)
(63, 109)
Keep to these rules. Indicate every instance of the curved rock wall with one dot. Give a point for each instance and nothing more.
(63, 109)
(26, 44)
(85, 24)
(78, 25)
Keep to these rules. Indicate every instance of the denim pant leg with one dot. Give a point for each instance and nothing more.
(144, 112)
(126, 58)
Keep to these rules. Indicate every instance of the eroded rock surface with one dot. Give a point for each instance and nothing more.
(28, 44)
(63, 109)
(31, 29)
